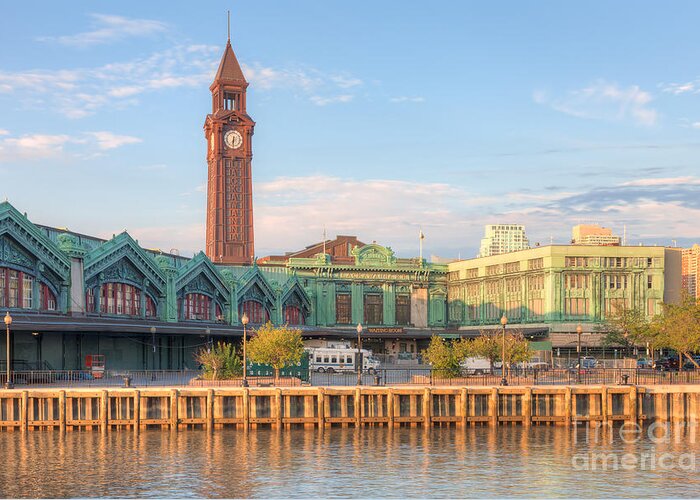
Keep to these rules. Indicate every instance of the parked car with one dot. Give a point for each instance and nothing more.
(644, 363)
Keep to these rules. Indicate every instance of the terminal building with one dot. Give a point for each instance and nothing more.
(72, 295)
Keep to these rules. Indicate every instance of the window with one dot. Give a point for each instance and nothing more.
(576, 281)
(230, 101)
(318, 359)
(513, 285)
(197, 306)
(535, 282)
(293, 315)
(512, 267)
(334, 359)
(650, 282)
(576, 307)
(535, 263)
(343, 309)
(536, 307)
(27, 291)
(256, 312)
(403, 309)
(473, 272)
(374, 309)
(13, 289)
(493, 270)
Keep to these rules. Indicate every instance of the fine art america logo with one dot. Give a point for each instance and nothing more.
(631, 447)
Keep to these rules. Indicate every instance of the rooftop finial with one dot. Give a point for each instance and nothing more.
(228, 14)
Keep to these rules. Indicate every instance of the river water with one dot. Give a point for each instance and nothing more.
(371, 462)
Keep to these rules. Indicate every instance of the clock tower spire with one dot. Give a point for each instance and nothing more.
(229, 132)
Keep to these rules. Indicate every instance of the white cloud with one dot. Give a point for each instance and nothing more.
(44, 146)
(603, 100)
(289, 211)
(110, 28)
(108, 140)
(324, 101)
(681, 88)
(664, 181)
(407, 99)
(695, 124)
(81, 92)
(4, 131)
(33, 146)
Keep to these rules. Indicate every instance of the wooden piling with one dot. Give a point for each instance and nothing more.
(493, 406)
(174, 408)
(633, 407)
(390, 406)
(526, 404)
(62, 410)
(427, 400)
(137, 410)
(104, 405)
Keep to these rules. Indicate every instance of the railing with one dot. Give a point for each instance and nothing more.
(379, 377)
(86, 378)
(425, 376)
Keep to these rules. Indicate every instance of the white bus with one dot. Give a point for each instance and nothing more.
(331, 360)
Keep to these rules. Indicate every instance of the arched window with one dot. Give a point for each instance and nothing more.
(293, 315)
(119, 299)
(198, 306)
(255, 311)
(17, 291)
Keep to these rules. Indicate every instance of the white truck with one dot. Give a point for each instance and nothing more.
(475, 366)
(331, 360)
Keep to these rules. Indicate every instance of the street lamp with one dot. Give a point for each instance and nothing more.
(359, 354)
(8, 322)
(244, 321)
(579, 330)
(504, 322)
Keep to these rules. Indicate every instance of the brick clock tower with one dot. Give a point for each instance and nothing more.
(229, 132)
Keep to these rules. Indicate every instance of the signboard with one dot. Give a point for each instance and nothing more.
(385, 329)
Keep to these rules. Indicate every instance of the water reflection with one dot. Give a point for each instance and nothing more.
(370, 462)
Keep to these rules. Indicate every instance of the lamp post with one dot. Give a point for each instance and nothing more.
(504, 322)
(244, 321)
(8, 322)
(579, 329)
(359, 354)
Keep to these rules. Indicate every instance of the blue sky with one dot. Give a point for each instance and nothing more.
(373, 118)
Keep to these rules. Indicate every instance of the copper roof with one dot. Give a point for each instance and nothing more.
(229, 69)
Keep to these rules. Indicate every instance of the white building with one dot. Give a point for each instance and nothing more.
(593, 234)
(503, 238)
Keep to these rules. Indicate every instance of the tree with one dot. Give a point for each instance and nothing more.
(277, 346)
(486, 345)
(441, 356)
(678, 328)
(219, 362)
(627, 327)
(489, 345)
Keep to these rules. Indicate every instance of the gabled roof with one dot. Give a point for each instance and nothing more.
(30, 237)
(229, 69)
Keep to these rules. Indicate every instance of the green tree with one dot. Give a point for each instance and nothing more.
(219, 362)
(277, 346)
(441, 356)
(627, 327)
(489, 345)
(678, 328)
(486, 345)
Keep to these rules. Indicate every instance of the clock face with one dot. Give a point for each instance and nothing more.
(233, 139)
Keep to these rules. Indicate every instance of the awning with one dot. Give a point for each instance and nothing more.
(542, 345)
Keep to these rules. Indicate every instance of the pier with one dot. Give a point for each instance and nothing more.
(319, 407)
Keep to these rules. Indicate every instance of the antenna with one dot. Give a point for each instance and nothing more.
(324, 240)
(228, 15)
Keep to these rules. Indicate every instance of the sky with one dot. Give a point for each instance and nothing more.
(373, 119)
